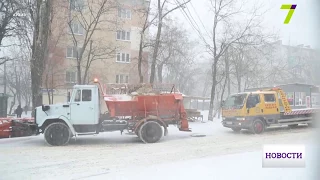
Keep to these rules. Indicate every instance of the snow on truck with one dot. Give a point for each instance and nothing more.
(146, 115)
(258, 110)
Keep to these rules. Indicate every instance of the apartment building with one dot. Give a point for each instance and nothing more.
(103, 35)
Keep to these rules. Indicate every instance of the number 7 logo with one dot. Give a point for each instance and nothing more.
(291, 8)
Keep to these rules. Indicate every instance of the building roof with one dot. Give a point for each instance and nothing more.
(196, 97)
(299, 84)
(281, 85)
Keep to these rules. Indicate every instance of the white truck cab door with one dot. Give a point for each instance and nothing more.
(82, 111)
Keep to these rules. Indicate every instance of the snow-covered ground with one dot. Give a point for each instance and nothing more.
(226, 167)
(222, 154)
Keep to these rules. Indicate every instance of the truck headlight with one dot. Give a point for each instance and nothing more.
(241, 119)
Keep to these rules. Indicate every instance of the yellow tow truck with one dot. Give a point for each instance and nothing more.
(258, 110)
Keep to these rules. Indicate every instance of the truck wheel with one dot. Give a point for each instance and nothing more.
(150, 132)
(257, 126)
(57, 134)
(236, 129)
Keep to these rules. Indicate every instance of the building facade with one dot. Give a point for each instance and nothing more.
(94, 39)
(291, 64)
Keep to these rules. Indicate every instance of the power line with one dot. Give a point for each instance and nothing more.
(191, 15)
(199, 18)
(189, 20)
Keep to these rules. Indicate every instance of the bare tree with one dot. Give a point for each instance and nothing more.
(94, 16)
(18, 78)
(174, 43)
(162, 13)
(12, 16)
(224, 11)
(145, 15)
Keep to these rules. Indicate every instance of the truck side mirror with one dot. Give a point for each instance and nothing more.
(45, 108)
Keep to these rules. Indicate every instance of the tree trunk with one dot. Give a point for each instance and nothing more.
(216, 104)
(239, 83)
(12, 104)
(228, 76)
(160, 68)
(39, 49)
(140, 57)
(85, 78)
(50, 94)
(156, 46)
(224, 84)
(213, 90)
(155, 54)
(47, 87)
(205, 87)
(79, 73)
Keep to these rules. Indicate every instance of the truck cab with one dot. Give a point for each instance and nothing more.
(80, 113)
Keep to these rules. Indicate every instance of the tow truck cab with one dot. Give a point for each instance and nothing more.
(260, 109)
(242, 110)
(81, 112)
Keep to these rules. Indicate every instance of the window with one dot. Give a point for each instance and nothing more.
(77, 97)
(255, 98)
(71, 77)
(123, 35)
(290, 98)
(76, 4)
(121, 78)
(124, 13)
(300, 98)
(76, 29)
(269, 98)
(235, 101)
(86, 95)
(73, 52)
(123, 57)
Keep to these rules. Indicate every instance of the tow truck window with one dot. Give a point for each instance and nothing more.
(269, 98)
(77, 97)
(235, 101)
(253, 100)
(86, 95)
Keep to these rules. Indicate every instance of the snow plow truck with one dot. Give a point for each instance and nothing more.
(258, 110)
(145, 114)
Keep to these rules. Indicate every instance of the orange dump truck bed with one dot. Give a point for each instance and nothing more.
(160, 105)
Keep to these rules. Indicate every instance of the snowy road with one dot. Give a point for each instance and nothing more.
(112, 156)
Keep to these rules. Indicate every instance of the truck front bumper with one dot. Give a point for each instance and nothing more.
(237, 122)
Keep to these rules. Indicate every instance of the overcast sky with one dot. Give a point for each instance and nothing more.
(300, 30)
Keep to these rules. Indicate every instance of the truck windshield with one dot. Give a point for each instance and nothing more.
(235, 101)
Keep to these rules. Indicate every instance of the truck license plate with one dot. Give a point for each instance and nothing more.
(228, 122)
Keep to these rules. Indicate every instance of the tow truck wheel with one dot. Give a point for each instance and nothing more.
(57, 134)
(236, 129)
(150, 132)
(257, 126)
